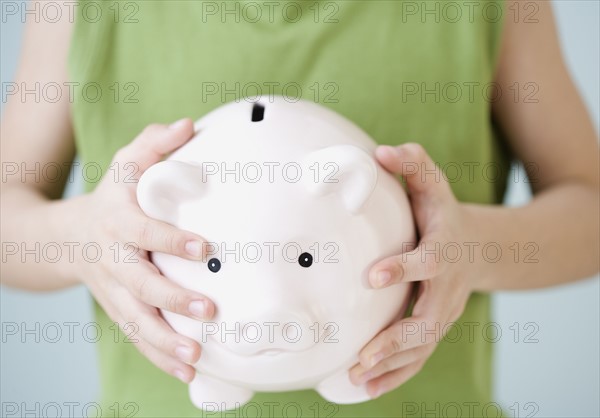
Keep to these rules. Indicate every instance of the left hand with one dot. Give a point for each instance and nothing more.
(394, 356)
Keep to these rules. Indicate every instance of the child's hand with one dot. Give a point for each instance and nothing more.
(124, 281)
(393, 357)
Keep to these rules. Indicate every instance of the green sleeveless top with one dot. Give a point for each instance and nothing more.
(402, 71)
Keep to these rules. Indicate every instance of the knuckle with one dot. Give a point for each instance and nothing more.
(430, 267)
(173, 243)
(145, 233)
(445, 236)
(151, 128)
(395, 342)
(108, 225)
(416, 149)
(113, 271)
(118, 223)
(140, 287)
(175, 303)
(399, 269)
(165, 344)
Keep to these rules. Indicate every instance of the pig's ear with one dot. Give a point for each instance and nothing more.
(344, 170)
(166, 185)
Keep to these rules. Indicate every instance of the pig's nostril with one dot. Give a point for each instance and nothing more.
(258, 112)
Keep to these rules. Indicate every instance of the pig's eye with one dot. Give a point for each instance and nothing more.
(214, 265)
(305, 260)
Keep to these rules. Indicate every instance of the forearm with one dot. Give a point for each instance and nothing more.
(552, 240)
(38, 240)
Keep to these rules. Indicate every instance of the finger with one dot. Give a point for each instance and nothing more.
(422, 263)
(360, 375)
(118, 306)
(145, 283)
(165, 362)
(155, 141)
(404, 335)
(393, 379)
(158, 236)
(152, 328)
(411, 161)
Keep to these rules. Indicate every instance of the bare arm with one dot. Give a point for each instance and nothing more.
(561, 221)
(36, 133)
(556, 136)
(555, 238)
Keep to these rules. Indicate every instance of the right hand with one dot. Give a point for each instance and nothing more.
(131, 289)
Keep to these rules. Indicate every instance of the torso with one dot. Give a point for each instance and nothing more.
(374, 66)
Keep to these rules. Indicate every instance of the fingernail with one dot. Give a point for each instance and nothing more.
(179, 374)
(184, 353)
(198, 309)
(376, 359)
(383, 278)
(178, 124)
(193, 248)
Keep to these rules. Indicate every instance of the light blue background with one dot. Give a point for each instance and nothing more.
(560, 373)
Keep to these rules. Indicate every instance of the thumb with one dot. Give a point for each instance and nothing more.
(423, 177)
(422, 263)
(153, 143)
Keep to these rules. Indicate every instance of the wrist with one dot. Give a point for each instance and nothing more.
(64, 219)
(482, 249)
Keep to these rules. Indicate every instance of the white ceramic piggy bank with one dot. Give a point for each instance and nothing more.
(295, 210)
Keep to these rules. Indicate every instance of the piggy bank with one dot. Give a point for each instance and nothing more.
(295, 210)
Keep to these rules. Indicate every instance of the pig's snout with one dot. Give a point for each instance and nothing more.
(269, 335)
